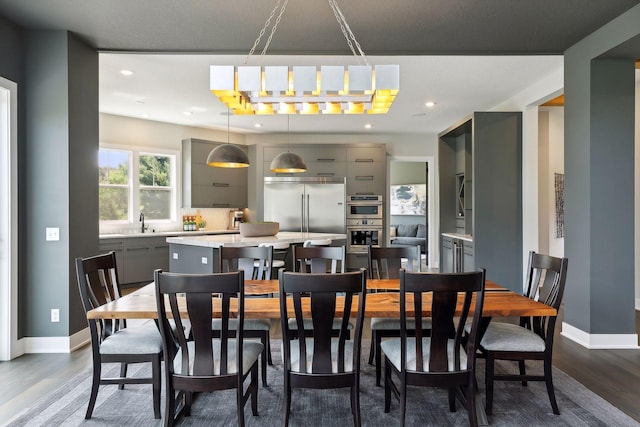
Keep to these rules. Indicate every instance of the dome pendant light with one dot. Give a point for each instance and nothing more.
(228, 155)
(288, 162)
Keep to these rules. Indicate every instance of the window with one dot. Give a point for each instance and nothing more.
(135, 181)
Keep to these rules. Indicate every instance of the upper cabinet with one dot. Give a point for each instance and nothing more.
(480, 167)
(364, 166)
(204, 186)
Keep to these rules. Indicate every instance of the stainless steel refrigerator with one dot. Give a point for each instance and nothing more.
(314, 205)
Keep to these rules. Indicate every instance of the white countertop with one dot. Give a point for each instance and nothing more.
(166, 234)
(465, 237)
(236, 240)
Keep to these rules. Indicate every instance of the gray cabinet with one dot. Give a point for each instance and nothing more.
(457, 255)
(366, 170)
(204, 186)
(482, 156)
(448, 255)
(138, 257)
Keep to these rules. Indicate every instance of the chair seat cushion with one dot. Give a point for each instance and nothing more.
(144, 339)
(308, 324)
(509, 337)
(249, 324)
(391, 349)
(390, 324)
(250, 353)
(295, 355)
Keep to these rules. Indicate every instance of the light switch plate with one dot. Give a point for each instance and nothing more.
(52, 234)
(205, 260)
(175, 255)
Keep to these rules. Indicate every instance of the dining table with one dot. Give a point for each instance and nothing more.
(383, 300)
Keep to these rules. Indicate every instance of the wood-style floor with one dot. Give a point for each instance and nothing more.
(612, 374)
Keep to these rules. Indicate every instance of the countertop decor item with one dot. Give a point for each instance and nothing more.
(258, 229)
(250, 89)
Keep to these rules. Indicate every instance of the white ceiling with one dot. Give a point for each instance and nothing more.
(164, 87)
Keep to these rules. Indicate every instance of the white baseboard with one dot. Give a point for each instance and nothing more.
(56, 344)
(599, 341)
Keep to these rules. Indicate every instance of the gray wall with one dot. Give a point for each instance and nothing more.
(61, 175)
(599, 187)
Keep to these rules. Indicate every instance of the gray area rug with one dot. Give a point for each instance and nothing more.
(514, 405)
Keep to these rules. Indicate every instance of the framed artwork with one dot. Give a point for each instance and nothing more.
(409, 199)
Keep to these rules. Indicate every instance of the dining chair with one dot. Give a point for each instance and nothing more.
(439, 360)
(112, 340)
(204, 363)
(319, 359)
(385, 263)
(256, 263)
(532, 338)
(318, 260)
(280, 251)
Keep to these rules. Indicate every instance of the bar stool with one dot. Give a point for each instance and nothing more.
(280, 250)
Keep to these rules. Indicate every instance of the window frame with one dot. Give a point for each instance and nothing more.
(134, 187)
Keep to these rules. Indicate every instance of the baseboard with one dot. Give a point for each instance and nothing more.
(599, 341)
(56, 344)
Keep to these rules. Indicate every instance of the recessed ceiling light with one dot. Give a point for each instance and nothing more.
(257, 125)
(187, 113)
(144, 116)
(139, 101)
(368, 126)
(430, 104)
(127, 72)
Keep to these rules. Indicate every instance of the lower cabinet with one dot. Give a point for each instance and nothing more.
(457, 255)
(138, 257)
(193, 259)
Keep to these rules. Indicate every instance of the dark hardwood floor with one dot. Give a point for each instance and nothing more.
(612, 374)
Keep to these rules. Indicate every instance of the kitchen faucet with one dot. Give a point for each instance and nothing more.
(142, 221)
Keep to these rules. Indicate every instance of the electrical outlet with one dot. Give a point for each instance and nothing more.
(55, 315)
(204, 260)
(175, 255)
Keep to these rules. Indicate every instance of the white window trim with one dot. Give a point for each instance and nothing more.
(132, 223)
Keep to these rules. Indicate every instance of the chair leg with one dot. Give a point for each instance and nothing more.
(372, 347)
(403, 399)
(488, 377)
(156, 375)
(239, 401)
(523, 371)
(263, 357)
(95, 385)
(387, 386)
(286, 404)
(169, 404)
(355, 405)
(268, 348)
(378, 352)
(548, 379)
(254, 390)
(452, 400)
(471, 404)
(123, 374)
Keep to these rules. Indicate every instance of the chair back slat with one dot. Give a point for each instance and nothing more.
(320, 292)
(322, 259)
(197, 291)
(385, 262)
(450, 295)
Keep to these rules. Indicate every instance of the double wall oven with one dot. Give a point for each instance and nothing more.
(364, 222)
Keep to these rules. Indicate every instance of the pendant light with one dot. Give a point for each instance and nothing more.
(228, 155)
(288, 162)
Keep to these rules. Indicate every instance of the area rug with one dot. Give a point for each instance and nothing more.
(514, 405)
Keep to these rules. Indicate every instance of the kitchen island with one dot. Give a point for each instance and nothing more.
(200, 254)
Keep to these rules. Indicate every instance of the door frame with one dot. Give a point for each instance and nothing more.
(9, 346)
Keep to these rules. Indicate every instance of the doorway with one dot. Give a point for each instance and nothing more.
(8, 220)
(417, 173)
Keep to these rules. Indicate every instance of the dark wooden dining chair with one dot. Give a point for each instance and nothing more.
(532, 338)
(318, 359)
(317, 259)
(204, 363)
(256, 263)
(385, 263)
(439, 360)
(112, 340)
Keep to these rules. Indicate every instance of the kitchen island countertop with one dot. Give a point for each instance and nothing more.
(237, 240)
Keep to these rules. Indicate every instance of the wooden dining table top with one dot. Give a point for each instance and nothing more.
(498, 301)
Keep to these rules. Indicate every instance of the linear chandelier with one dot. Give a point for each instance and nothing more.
(327, 89)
